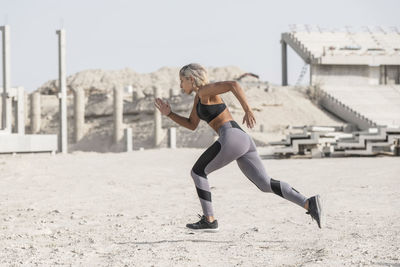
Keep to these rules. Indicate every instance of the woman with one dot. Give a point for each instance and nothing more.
(233, 144)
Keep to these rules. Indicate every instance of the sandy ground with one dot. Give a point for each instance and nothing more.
(130, 209)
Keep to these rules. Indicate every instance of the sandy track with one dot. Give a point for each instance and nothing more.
(92, 209)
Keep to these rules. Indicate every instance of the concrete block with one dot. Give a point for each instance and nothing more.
(172, 137)
(16, 143)
(128, 139)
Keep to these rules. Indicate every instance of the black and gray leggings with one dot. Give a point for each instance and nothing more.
(234, 144)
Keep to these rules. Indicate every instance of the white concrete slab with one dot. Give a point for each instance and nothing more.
(17, 143)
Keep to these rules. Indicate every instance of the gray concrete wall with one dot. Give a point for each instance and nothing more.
(392, 74)
(342, 75)
(354, 75)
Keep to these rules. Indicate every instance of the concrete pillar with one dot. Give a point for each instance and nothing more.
(62, 93)
(396, 148)
(118, 114)
(157, 119)
(14, 116)
(316, 153)
(172, 137)
(128, 139)
(26, 108)
(128, 89)
(284, 63)
(313, 74)
(137, 94)
(134, 96)
(79, 113)
(20, 111)
(374, 75)
(35, 113)
(6, 101)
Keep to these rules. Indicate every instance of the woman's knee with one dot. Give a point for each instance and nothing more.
(192, 173)
(265, 184)
(262, 183)
(265, 187)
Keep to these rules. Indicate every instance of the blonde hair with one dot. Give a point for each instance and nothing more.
(198, 72)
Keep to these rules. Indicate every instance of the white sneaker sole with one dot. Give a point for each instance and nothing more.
(204, 230)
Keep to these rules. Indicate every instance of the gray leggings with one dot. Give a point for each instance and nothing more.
(234, 144)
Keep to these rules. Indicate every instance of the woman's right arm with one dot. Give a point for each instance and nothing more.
(191, 123)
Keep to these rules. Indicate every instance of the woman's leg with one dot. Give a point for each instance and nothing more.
(251, 165)
(226, 149)
(200, 177)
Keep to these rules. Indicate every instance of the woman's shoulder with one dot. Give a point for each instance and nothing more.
(215, 85)
(219, 83)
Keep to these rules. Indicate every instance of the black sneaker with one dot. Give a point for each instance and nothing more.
(204, 225)
(315, 209)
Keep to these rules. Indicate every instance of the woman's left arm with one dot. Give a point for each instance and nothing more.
(234, 87)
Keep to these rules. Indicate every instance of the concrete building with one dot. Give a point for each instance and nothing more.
(356, 73)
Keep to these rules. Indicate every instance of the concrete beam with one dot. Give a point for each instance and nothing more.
(359, 60)
(296, 46)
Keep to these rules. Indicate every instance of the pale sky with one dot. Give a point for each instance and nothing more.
(149, 34)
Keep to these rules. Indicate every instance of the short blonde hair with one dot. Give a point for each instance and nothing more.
(198, 72)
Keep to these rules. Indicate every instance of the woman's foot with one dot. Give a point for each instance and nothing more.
(315, 208)
(204, 225)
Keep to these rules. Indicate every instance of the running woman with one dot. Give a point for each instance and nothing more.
(233, 144)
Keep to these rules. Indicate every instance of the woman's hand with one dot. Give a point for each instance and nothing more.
(249, 119)
(162, 106)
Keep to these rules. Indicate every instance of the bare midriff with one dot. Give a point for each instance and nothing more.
(221, 118)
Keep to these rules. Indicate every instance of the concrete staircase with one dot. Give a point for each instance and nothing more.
(364, 106)
(369, 143)
(313, 138)
(325, 142)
